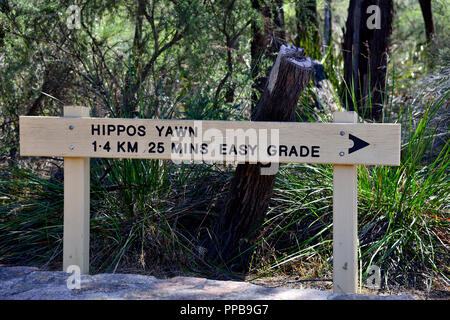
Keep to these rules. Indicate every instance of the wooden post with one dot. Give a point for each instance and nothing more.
(345, 216)
(76, 202)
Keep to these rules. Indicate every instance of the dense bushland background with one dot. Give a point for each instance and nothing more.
(208, 60)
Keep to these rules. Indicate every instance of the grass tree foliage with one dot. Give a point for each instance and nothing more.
(193, 60)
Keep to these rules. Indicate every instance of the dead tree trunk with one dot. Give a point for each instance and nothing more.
(250, 192)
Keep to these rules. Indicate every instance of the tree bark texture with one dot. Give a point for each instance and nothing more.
(427, 13)
(327, 24)
(365, 54)
(250, 192)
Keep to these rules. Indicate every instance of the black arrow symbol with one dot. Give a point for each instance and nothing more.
(357, 143)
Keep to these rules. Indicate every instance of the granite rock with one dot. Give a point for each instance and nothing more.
(28, 283)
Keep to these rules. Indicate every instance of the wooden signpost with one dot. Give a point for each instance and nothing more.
(76, 137)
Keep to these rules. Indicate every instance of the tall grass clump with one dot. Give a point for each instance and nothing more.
(138, 213)
(405, 210)
(30, 217)
(403, 213)
(148, 214)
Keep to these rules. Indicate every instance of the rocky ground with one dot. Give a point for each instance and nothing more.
(438, 292)
(29, 283)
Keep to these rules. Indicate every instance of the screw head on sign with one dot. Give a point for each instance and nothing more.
(71, 127)
(342, 133)
(341, 153)
(71, 147)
